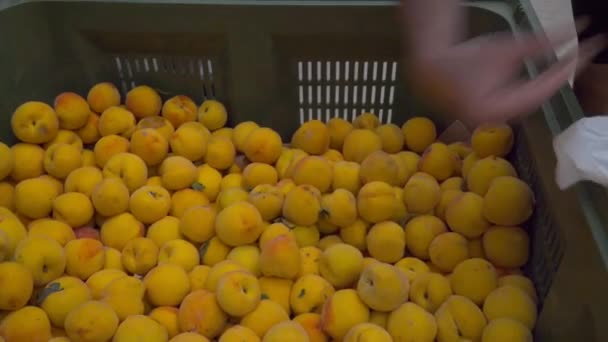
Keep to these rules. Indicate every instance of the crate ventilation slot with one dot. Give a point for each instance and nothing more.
(136, 70)
(345, 89)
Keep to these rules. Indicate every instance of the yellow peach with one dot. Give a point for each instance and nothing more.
(120, 229)
(376, 202)
(53, 229)
(128, 167)
(28, 161)
(212, 114)
(492, 140)
(16, 289)
(61, 296)
(189, 142)
(277, 290)
(267, 199)
(65, 137)
(419, 133)
(83, 180)
(263, 145)
(508, 202)
(346, 176)
(73, 208)
(238, 333)
(341, 265)
(161, 125)
(458, 318)
(34, 197)
(464, 215)
(213, 251)
(116, 120)
(109, 146)
(506, 330)
(167, 317)
(32, 317)
(421, 193)
(420, 232)
(149, 145)
(510, 302)
(286, 331)
(341, 312)
(140, 327)
(391, 137)
(506, 246)
(61, 159)
(383, 287)
(302, 205)
(410, 322)
(430, 290)
(338, 130)
(241, 132)
(438, 161)
(110, 197)
(238, 293)
(280, 257)
(474, 278)
(179, 109)
(185, 199)
(177, 173)
(166, 285)
(360, 143)
(447, 250)
(247, 256)
(102, 96)
(139, 255)
(43, 257)
(150, 203)
(91, 321)
(35, 122)
(379, 166)
(312, 137)
(199, 312)
(485, 170)
(266, 315)
(197, 223)
(84, 257)
(256, 174)
(143, 101)
(72, 110)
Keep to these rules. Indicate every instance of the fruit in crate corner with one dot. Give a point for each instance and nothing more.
(410, 322)
(179, 109)
(312, 137)
(150, 145)
(35, 122)
(492, 140)
(419, 133)
(383, 287)
(72, 110)
(506, 247)
(32, 317)
(117, 120)
(506, 330)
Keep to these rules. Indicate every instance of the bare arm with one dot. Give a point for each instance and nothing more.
(431, 24)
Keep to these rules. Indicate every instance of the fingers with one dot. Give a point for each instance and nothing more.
(588, 49)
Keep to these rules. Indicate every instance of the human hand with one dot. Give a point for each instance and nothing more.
(479, 80)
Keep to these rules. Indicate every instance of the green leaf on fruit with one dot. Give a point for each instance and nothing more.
(264, 296)
(302, 293)
(198, 186)
(47, 291)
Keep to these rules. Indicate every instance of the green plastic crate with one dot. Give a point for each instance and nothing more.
(283, 62)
